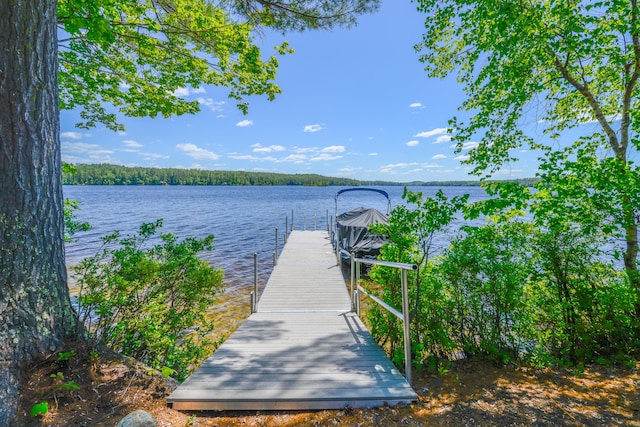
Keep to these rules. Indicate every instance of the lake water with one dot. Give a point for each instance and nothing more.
(242, 219)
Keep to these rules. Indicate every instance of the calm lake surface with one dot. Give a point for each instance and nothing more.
(242, 219)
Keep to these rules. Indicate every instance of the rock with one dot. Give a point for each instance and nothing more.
(138, 419)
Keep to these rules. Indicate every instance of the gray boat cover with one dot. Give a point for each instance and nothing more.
(354, 234)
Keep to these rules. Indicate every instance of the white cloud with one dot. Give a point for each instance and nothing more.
(82, 147)
(416, 105)
(153, 156)
(442, 138)
(439, 156)
(295, 158)
(334, 149)
(462, 158)
(182, 92)
(305, 149)
(71, 135)
(197, 152)
(80, 152)
(324, 157)
(373, 154)
(215, 106)
(348, 171)
(313, 128)
(391, 168)
(249, 157)
(413, 143)
(131, 143)
(244, 123)
(257, 148)
(469, 145)
(430, 133)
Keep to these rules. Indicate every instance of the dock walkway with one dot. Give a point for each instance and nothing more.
(302, 350)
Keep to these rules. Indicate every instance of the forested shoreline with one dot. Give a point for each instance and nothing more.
(107, 174)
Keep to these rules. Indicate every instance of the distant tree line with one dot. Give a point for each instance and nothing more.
(527, 182)
(106, 174)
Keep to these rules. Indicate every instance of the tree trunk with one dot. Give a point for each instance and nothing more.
(35, 310)
(631, 256)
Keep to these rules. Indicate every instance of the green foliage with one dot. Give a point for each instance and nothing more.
(71, 225)
(58, 376)
(66, 355)
(167, 372)
(147, 296)
(484, 272)
(561, 65)
(539, 291)
(411, 230)
(136, 56)
(105, 174)
(39, 409)
(69, 386)
(589, 306)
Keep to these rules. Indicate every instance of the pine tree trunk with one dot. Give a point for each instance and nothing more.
(35, 310)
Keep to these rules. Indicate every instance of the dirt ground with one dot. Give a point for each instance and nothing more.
(470, 393)
(105, 387)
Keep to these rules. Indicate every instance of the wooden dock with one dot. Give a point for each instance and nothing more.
(302, 350)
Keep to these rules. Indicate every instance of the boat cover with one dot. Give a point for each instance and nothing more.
(354, 234)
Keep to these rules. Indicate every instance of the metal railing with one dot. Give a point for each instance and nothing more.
(403, 315)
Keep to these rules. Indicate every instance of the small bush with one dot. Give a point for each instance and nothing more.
(485, 271)
(588, 306)
(149, 301)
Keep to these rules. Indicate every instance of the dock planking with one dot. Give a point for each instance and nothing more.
(302, 350)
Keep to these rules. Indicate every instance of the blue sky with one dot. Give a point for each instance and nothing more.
(356, 103)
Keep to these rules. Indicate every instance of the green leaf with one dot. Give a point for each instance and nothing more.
(39, 409)
(167, 372)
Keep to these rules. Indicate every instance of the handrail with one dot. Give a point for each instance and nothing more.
(402, 315)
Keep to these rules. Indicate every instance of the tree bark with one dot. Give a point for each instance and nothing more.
(35, 309)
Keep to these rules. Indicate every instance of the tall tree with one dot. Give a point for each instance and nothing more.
(130, 54)
(35, 311)
(562, 64)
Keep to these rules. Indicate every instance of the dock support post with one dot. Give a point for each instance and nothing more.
(254, 303)
(353, 278)
(407, 333)
(291, 219)
(275, 254)
(286, 228)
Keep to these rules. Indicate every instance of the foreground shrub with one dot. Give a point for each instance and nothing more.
(147, 295)
(581, 307)
(413, 231)
(511, 290)
(485, 271)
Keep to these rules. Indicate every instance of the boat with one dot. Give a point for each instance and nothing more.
(352, 231)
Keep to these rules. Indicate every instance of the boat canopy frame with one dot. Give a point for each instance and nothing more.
(375, 190)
